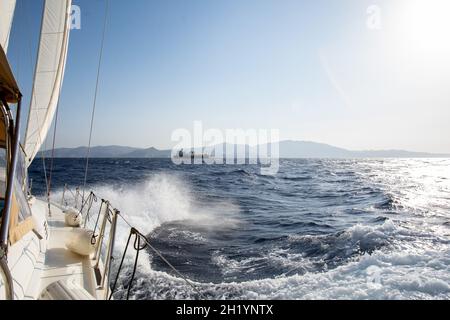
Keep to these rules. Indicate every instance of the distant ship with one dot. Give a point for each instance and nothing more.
(190, 155)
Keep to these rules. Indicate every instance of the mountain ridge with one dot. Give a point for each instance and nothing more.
(288, 149)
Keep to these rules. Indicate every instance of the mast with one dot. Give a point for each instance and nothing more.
(9, 93)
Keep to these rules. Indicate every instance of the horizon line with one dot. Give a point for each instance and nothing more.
(281, 141)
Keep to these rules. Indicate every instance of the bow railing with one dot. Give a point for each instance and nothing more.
(104, 237)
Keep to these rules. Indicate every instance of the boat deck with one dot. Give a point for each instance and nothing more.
(60, 263)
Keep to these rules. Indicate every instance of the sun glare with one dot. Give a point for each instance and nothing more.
(425, 24)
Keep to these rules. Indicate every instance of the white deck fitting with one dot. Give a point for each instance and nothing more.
(38, 263)
(60, 263)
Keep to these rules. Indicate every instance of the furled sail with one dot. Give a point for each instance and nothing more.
(49, 73)
(6, 17)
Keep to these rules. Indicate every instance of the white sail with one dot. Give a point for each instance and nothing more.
(49, 73)
(6, 17)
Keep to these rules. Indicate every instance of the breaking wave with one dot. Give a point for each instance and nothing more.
(319, 230)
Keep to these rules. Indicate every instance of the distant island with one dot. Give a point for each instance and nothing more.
(288, 150)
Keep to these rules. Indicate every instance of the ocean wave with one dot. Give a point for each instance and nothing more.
(161, 198)
(380, 234)
(298, 178)
(382, 275)
(275, 258)
(357, 240)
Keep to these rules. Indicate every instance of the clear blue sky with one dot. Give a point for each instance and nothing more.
(312, 69)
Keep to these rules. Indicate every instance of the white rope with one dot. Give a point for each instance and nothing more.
(95, 97)
(53, 154)
(64, 50)
(33, 98)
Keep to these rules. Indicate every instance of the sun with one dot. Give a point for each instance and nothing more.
(425, 24)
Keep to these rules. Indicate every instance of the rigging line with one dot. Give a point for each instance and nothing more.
(189, 283)
(33, 98)
(64, 52)
(105, 25)
(18, 48)
(8, 33)
(49, 189)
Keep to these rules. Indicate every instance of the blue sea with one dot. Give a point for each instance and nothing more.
(319, 229)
